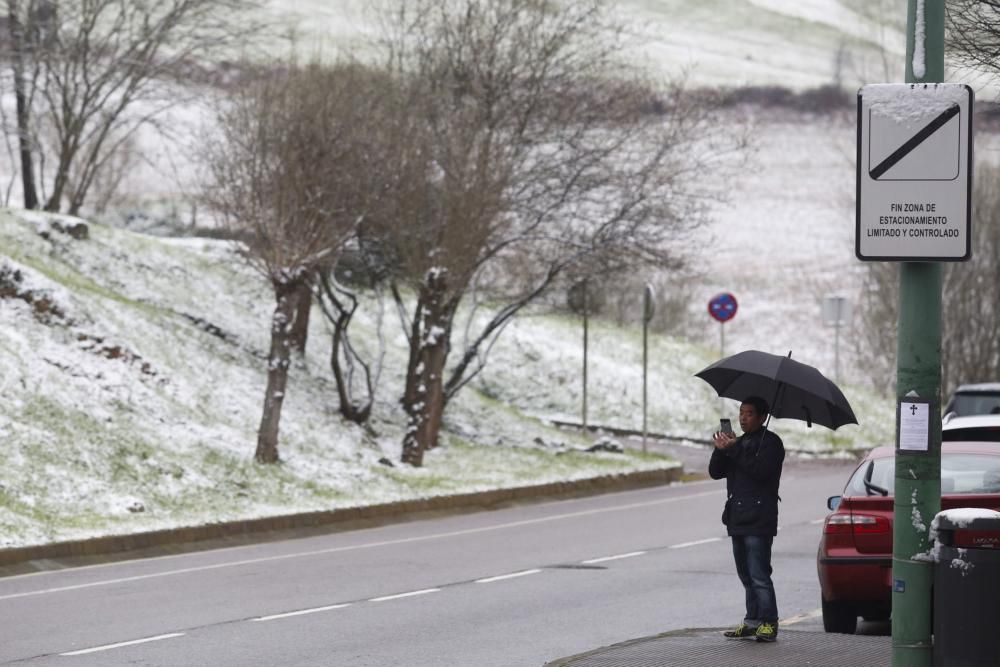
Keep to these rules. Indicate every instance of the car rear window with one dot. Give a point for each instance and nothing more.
(960, 473)
(979, 403)
(971, 433)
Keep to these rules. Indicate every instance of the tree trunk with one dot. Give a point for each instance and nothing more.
(339, 315)
(23, 114)
(302, 302)
(277, 372)
(423, 398)
(427, 435)
(69, 145)
(54, 201)
(352, 411)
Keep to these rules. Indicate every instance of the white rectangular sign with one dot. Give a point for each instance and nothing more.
(914, 172)
(914, 426)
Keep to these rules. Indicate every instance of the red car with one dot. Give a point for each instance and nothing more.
(855, 552)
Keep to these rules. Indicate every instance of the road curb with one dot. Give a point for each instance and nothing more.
(343, 518)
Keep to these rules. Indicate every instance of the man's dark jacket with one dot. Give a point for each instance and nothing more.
(752, 468)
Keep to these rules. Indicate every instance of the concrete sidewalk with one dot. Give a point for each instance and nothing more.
(707, 646)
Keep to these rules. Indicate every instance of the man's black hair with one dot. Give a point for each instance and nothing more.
(759, 405)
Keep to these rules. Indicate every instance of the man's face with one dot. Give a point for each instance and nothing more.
(750, 421)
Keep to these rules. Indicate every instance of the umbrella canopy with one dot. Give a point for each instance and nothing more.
(794, 390)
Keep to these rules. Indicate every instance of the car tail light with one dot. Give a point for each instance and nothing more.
(859, 524)
(868, 525)
(838, 524)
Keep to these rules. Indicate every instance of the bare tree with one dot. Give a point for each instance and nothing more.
(349, 366)
(974, 33)
(99, 71)
(530, 155)
(286, 174)
(876, 324)
(20, 43)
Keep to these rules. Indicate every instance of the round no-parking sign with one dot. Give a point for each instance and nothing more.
(722, 307)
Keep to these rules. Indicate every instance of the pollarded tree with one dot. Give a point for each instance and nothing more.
(526, 153)
(287, 173)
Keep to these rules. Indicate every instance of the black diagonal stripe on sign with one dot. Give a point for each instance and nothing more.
(914, 141)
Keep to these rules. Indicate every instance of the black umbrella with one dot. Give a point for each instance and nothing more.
(795, 390)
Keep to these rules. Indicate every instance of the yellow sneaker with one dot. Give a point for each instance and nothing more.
(741, 631)
(767, 632)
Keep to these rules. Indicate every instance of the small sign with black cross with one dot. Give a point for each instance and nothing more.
(914, 426)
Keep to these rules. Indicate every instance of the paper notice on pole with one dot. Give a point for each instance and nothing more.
(914, 426)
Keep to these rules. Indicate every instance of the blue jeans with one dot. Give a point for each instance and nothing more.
(753, 565)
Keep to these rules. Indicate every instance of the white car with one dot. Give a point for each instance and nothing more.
(974, 399)
(972, 428)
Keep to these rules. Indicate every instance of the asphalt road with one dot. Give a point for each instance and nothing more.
(518, 586)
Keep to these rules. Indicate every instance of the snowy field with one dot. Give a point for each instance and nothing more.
(719, 42)
(120, 412)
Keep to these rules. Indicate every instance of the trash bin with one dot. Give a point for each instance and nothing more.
(966, 588)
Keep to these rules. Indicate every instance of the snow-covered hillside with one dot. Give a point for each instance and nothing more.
(131, 380)
(795, 43)
(132, 367)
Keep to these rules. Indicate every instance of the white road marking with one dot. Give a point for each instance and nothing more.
(370, 545)
(801, 617)
(405, 595)
(684, 545)
(301, 612)
(108, 647)
(241, 547)
(512, 575)
(607, 558)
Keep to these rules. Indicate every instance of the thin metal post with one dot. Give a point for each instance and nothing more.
(645, 361)
(648, 309)
(586, 312)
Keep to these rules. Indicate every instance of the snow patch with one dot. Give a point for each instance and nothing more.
(918, 63)
(962, 517)
(921, 104)
(433, 336)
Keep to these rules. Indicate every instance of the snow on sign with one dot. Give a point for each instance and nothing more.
(914, 172)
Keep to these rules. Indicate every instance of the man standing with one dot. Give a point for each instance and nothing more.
(751, 465)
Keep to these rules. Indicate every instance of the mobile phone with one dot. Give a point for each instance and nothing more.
(726, 426)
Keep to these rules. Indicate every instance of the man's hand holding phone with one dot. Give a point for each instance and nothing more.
(724, 438)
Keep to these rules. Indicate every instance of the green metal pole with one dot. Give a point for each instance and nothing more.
(918, 373)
